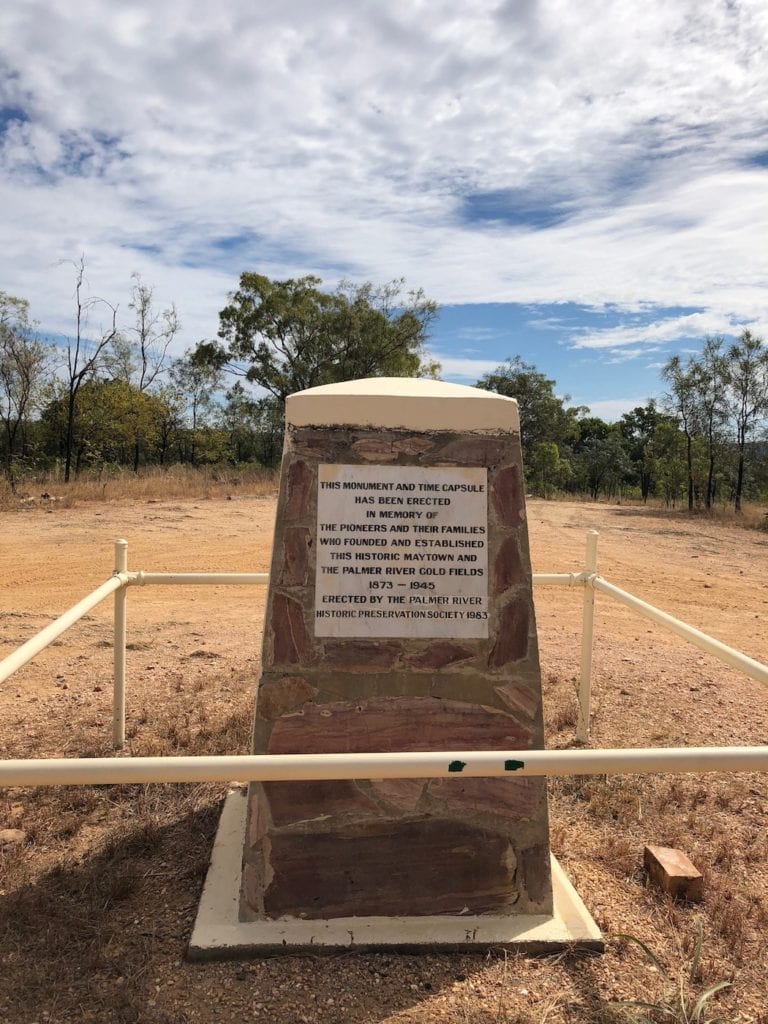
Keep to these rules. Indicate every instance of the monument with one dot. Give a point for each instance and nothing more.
(399, 618)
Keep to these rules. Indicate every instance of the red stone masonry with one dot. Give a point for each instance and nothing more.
(396, 847)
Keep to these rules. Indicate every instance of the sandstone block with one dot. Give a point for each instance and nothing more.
(276, 697)
(296, 546)
(507, 496)
(290, 640)
(297, 491)
(673, 872)
(507, 566)
(512, 638)
(472, 451)
(361, 655)
(396, 723)
(423, 866)
(439, 655)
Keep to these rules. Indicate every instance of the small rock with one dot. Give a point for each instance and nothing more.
(673, 872)
(12, 837)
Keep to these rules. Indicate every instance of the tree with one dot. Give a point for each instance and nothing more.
(666, 455)
(748, 384)
(543, 416)
(682, 402)
(152, 332)
(638, 428)
(196, 382)
(84, 356)
(602, 460)
(709, 379)
(23, 364)
(286, 336)
(547, 469)
(110, 414)
(141, 352)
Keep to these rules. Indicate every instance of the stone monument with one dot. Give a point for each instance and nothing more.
(399, 618)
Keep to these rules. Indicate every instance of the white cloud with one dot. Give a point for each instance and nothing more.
(345, 141)
(650, 335)
(612, 409)
(464, 370)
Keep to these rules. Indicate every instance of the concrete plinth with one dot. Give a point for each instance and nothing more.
(219, 934)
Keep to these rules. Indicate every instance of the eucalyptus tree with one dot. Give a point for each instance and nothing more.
(24, 365)
(748, 387)
(709, 377)
(85, 352)
(544, 416)
(681, 400)
(285, 336)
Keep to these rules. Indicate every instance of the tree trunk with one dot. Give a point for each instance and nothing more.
(69, 437)
(710, 482)
(739, 480)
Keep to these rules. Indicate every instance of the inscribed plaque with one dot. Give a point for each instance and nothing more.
(402, 551)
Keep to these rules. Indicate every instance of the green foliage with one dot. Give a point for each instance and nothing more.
(543, 415)
(719, 400)
(747, 374)
(547, 470)
(24, 366)
(110, 418)
(638, 429)
(286, 336)
(601, 462)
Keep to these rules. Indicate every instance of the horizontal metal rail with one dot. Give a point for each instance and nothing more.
(216, 579)
(729, 655)
(432, 765)
(46, 636)
(560, 579)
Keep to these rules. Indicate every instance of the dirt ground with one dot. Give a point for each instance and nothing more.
(96, 904)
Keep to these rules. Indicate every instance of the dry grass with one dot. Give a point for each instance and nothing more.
(97, 907)
(181, 482)
(75, 939)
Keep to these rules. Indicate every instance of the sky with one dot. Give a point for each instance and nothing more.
(583, 184)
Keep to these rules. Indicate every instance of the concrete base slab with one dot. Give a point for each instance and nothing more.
(218, 934)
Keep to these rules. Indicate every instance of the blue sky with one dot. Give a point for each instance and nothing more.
(581, 184)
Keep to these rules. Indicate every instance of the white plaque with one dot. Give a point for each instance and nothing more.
(402, 551)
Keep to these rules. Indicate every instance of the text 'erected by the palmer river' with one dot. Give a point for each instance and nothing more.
(402, 551)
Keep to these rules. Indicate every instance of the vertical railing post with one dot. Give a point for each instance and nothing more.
(587, 633)
(118, 698)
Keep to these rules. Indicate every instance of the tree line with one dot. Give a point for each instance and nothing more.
(110, 395)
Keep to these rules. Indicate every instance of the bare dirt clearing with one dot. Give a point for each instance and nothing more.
(96, 907)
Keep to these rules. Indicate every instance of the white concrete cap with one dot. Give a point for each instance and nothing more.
(405, 402)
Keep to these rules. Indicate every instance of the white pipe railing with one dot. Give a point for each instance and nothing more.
(587, 639)
(419, 765)
(46, 636)
(119, 643)
(729, 655)
(588, 579)
(216, 579)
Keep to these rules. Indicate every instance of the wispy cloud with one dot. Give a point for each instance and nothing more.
(613, 409)
(625, 355)
(464, 370)
(491, 152)
(651, 335)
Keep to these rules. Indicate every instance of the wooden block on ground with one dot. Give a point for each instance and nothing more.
(673, 872)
